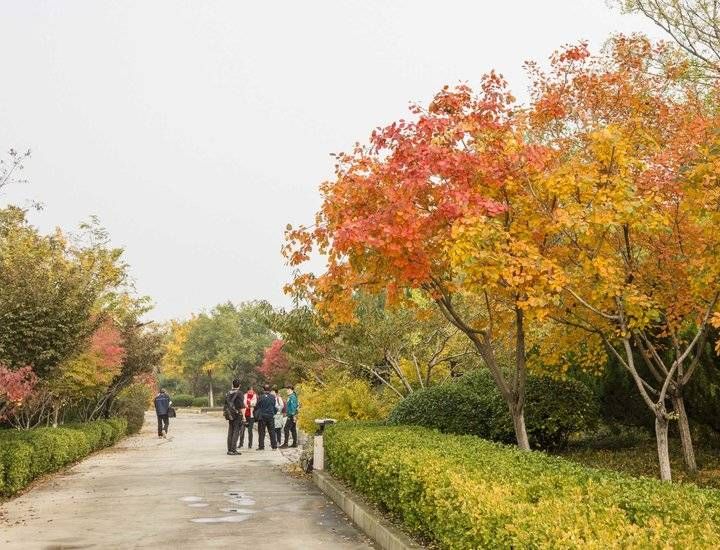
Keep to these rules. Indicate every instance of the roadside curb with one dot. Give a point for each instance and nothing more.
(386, 535)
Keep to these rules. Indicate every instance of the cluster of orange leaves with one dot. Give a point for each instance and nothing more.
(603, 187)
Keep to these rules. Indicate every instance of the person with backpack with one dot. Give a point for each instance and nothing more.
(265, 410)
(162, 410)
(234, 413)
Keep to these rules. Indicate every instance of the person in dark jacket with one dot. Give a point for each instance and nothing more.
(265, 410)
(162, 409)
(234, 412)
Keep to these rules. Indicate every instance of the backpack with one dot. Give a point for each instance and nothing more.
(229, 410)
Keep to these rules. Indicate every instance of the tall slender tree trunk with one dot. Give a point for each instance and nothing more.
(56, 414)
(678, 402)
(518, 417)
(211, 397)
(661, 434)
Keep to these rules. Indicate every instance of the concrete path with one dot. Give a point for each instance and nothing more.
(183, 492)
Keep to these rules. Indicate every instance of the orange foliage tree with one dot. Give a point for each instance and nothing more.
(391, 220)
(594, 207)
(634, 218)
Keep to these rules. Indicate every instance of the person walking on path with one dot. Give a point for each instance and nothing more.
(266, 413)
(234, 413)
(292, 406)
(279, 418)
(250, 400)
(162, 410)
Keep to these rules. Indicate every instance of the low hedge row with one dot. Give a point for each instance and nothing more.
(182, 400)
(27, 454)
(472, 405)
(463, 492)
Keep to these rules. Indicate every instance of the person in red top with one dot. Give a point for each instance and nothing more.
(250, 402)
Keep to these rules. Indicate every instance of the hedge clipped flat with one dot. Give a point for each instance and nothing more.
(25, 455)
(463, 492)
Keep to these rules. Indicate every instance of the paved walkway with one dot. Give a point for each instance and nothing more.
(184, 492)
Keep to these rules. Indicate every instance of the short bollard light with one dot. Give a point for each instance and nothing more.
(318, 450)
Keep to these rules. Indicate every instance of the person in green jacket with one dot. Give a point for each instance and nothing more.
(291, 409)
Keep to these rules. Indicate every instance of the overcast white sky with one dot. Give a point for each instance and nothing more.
(197, 130)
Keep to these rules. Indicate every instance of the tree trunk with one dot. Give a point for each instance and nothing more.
(518, 416)
(685, 436)
(107, 408)
(211, 397)
(661, 434)
(56, 413)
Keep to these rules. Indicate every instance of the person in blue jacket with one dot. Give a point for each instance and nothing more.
(162, 409)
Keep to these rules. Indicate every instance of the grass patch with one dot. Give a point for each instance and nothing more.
(639, 458)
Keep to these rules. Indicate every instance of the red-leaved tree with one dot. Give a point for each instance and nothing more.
(15, 387)
(275, 366)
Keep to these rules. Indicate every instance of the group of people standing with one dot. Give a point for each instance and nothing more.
(268, 410)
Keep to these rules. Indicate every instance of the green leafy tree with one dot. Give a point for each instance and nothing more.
(213, 348)
(52, 289)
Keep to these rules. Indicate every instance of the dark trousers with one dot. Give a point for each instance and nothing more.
(234, 427)
(278, 435)
(163, 423)
(267, 422)
(249, 427)
(291, 429)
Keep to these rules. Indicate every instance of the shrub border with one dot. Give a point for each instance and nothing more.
(27, 455)
(363, 515)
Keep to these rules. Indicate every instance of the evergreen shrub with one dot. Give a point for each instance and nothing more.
(182, 400)
(132, 403)
(472, 405)
(200, 402)
(27, 454)
(463, 492)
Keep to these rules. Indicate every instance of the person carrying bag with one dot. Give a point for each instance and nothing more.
(234, 413)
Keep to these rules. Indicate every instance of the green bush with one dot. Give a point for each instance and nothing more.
(472, 405)
(27, 454)
(182, 400)
(200, 402)
(462, 492)
(131, 404)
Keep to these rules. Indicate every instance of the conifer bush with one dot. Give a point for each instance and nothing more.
(463, 492)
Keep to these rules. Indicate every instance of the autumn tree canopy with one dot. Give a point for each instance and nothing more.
(589, 215)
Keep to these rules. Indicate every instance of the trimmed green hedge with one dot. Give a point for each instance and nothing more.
(472, 405)
(27, 454)
(463, 492)
(182, 400)
(200, 402)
